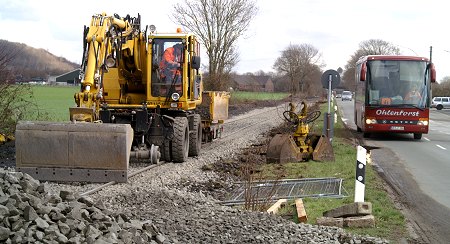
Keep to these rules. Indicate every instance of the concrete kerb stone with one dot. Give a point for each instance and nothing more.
(350, 210)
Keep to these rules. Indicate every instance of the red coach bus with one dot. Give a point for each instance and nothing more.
(393, 94)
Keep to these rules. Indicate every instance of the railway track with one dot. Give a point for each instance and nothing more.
(132, 174)
(233, 128)
(236, 130)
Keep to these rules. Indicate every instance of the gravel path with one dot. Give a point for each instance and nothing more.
(161, 197)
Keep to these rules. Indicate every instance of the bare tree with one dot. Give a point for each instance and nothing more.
(369, 47)
(218, 24)
(442, 88)
(16, 101)
(298, 62)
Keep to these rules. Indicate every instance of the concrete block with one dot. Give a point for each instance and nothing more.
(328, 221)
(352, 209)
(367, 221)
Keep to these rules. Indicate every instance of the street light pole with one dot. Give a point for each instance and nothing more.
(431, 52)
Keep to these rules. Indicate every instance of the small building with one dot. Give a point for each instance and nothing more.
(69, 78)
(262, 83)
(265, 83)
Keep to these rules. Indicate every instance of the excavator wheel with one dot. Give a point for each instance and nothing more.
(180, 142)
(165, 149)
(195, 137)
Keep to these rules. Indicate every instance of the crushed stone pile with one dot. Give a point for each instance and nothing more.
(31, 214)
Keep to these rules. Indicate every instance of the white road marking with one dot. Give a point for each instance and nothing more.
(441, 147)
(426, 139)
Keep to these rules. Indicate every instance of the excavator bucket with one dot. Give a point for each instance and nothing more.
(92, 152)
(322, 148)
(282, 149)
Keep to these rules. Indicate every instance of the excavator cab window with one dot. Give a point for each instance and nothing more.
(167, 67)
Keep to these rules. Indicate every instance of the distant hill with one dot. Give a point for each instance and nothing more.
(30, 63)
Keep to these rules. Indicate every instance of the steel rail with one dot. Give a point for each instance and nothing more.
(114, 182)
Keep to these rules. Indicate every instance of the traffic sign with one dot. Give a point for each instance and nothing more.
(333, 75)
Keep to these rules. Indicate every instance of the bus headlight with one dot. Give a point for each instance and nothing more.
(175, 96)
(423, 122)
(371, 121)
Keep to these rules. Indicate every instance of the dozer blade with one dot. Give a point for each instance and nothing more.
(322, 148)
(91, 152)
(282, 149)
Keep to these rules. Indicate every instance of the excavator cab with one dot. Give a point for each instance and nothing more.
(167, 67)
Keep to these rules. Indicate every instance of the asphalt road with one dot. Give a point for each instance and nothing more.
(418, 171)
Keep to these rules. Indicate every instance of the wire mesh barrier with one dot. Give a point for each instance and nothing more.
(267, 191)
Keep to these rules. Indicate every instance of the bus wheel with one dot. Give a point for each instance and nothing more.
(366, 134)
(417, 136)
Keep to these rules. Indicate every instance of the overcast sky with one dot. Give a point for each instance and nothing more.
(335, 28)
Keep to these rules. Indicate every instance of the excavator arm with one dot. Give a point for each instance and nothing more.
(104, 47)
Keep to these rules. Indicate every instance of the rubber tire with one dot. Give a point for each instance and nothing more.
(417, 136)
(195, 136)
(366, 134)
(180, 141)
(166, 151)
(439, 107)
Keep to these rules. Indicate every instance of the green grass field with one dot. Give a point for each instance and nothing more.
(55, 101)
(390, 223)
(256, 96)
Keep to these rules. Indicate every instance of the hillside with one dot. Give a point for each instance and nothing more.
(28, 62)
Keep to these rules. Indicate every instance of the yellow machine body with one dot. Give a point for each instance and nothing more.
(139, 106)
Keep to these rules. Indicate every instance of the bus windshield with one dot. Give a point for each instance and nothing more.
(396, 83)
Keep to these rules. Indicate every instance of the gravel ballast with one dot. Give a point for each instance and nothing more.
(157, 205)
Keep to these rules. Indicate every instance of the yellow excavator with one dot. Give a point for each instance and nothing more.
(300, 145)
(138, 98)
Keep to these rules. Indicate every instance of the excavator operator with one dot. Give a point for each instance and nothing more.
(170, 66)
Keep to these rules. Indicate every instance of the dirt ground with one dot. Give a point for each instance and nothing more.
(8, 152)
(231, 169)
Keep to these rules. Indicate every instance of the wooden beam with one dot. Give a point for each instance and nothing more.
(301, 212)
(275, 207)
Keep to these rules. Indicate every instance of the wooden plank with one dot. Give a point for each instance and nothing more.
(275, 207)
(301, 212)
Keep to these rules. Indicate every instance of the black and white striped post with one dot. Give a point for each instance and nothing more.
(360, 180)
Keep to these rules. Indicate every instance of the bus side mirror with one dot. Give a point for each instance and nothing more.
(362, 74)
(432, 72)
(196, 62)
